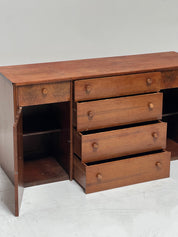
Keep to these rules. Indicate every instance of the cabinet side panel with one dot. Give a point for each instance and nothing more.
(6, 127)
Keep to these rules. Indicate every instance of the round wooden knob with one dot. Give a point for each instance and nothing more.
(44, 91)
(99, 176)
(155, 135)
(88, 89)
(90, 115)
(158, 164)
(95, 145)
(149, 81)
(151, 106)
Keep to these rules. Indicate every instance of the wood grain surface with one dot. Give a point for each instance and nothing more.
(101, 79)
(169, 79)
(41, 171)
(18, 160)
(44, 93)
(121, 172)
(98, 88)
(120, 142)
(89, 68)
(117, 111)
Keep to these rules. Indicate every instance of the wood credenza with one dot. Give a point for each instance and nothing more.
(105, 122)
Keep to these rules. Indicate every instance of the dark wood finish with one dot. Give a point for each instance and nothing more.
(54, 142)
(79, 171)
(120, 142)
(98, 88)
(89, 68)
(42, 118)
(121, 172)
(41, 145)
(41, 132)
(117, 111)
(172, 122)
(44, 93)
(18, 161)
(44, 170)
(170, 115)
(172, 146)
(62, 141)
(77, 143)
(170, 79)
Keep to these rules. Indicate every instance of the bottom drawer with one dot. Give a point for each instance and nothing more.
(121, 172)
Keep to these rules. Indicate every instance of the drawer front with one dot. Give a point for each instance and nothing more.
(97, 88)
(44, 93)
(122, 172)
(120, 142)
(118, 111)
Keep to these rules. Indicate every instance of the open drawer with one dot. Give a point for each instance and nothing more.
(120, 172)
(116, 142)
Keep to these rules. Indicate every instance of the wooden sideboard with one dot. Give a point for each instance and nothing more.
(105, 122)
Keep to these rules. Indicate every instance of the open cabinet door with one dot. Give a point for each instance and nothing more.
(18, 160)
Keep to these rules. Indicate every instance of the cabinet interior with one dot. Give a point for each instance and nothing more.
(170, 115)
(46, 147)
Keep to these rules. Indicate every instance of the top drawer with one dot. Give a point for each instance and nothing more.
(43, 93)
(98, 88)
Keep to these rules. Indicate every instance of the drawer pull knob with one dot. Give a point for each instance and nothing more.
(158, 164)
(95, 145)
(149, 81)
(88, 89)
(44, 91)
(155, 135)
(151, 106)
(90, 115)
(99, 176)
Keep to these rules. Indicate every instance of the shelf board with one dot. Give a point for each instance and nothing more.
(173, 147)
(44, 170)
(170, 114)
(34, 133)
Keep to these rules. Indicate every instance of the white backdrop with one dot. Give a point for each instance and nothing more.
(53, 30)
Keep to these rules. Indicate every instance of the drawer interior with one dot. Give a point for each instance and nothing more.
(120, 141)
(46, 150)
(123, 157)
(97, 176)
(170, 115)
(119, 127)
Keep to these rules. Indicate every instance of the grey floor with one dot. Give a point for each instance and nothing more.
(62, 209)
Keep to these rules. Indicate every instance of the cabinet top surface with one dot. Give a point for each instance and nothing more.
(89, 68)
